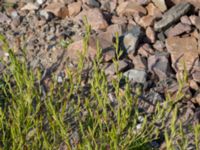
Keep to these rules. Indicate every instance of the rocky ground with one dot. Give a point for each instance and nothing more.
(158, 38)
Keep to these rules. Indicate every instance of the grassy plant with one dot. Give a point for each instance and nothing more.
(76, 115)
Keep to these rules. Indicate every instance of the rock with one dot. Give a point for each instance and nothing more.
(111, 70)
(40, 2)
(142, 2)
(4, 18)
(74, 8)
(159, 45)
(182, 50)
(179, 29)
(77, 47)
(108, 55)
(106, 38)
(150, 34)
(131, 39)
(160, 4)
(145, 50)
(118, 20)
(109, 5)
(153, 11)
(135, 75)
(58, 9)
(193, 2)
(198, 99)
(186, 20)
(30, 6)
(129, 8)
(92, 3)
(138, 62)
(94, 18)
(196, 76)
(193, 85)
(195, 21)
(48, 16)
(159, 65)
(172, 16)
(146, 21)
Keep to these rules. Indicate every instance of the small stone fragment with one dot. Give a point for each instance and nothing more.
(179, 29)
(150, 34)
(159, 64)
(92, 3)
(146, 21)
(186, 20)
(195, 21)
(58, 9)
(95, 18)
(196, 76)
(138, 62)
(131, 39)
(30, 6)
(111, 70)
(153, 11)
(160, 4)
(135, 75)
(108, 55)
(74, 8)
(130, 7)
(172, 15)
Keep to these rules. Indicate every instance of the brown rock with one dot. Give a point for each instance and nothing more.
(109, 55)
(182, 50)
(146, 21)
(118, 20)
(74, 8)
(153, 11)
(159, 45)
(106, 38)
(137, 61)
(145, 50)
(77, 47)
(94, 18)
(193, 85)
(111, 70)
(150, 34)
(196, 76)
(198, 99)
(195, 21)
(129, 8)
(179, 29)
(160, 4)
(186, 20)
(58, 9)
(30, 6)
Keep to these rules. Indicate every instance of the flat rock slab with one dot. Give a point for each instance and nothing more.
(172, 15)
(182, 50)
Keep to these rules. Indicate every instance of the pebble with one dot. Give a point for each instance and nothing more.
(131, 39)
(135, 75)
(111, 70)
(160, 4)
(179, 29)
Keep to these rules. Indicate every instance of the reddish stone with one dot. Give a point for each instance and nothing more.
(179, 29)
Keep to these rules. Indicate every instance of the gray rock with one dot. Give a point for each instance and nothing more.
(159, 65)
(131, 39)
(136, 75)
(172, 15)
(4, 18)
(92, 3)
